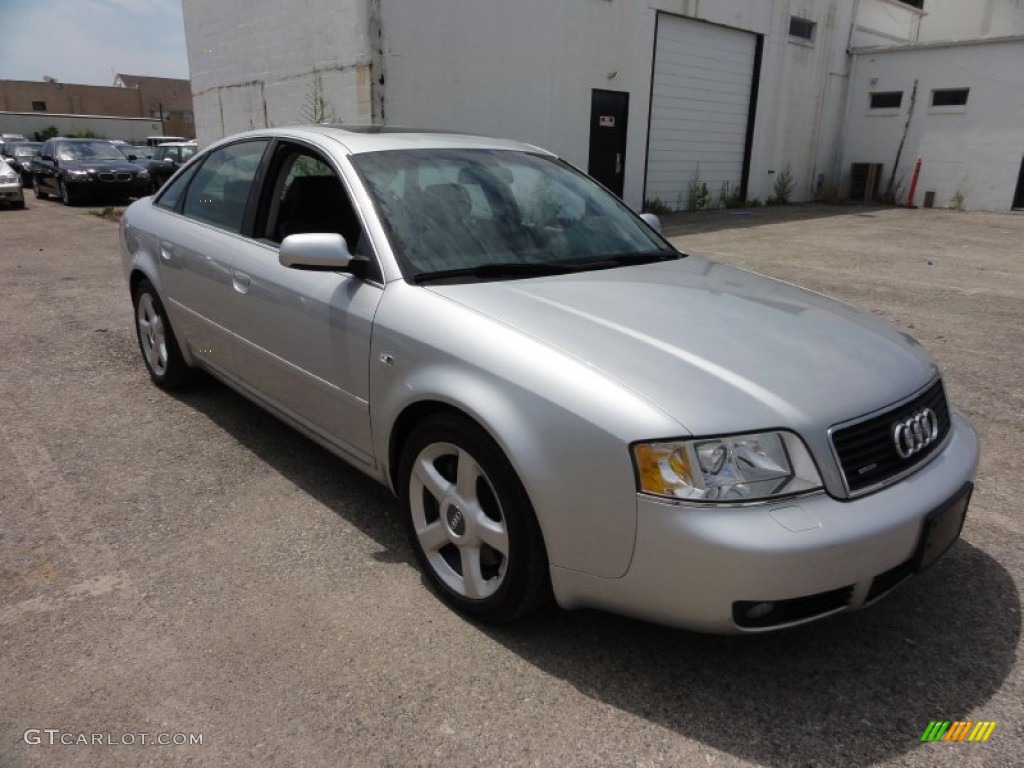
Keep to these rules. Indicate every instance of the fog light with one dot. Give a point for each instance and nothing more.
(759, 610)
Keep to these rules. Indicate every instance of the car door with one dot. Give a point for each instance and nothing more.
(45, 168)
(304, 336)
(199, 242)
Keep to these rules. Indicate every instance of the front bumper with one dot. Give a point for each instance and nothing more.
(692, 564)
(95, 188)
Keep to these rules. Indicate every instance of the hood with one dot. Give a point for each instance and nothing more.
(719, 349)
(99, 165)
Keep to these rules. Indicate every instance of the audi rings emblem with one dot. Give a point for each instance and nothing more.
(915, 433)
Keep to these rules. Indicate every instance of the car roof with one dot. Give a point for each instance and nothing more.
(375, 138)
(176, 144)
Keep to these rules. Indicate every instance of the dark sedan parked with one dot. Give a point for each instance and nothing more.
(76, 169)
(19, 156)
(164, 160)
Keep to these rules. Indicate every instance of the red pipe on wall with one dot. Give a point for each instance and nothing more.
(913, 183)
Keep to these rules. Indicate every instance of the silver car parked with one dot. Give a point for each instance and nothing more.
(564, 404)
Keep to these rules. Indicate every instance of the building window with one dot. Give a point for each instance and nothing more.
(801, 29)
(38, 106)
(886, 100)
(189, 117)
(914, 3)
(950, 97)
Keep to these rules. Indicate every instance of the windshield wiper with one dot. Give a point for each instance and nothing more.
(631, 258)
(540, 269)
(499, 270)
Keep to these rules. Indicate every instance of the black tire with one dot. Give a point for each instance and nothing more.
(40, 195)
(65, 193)
(519, 578)
(20, 204)
(170, 371)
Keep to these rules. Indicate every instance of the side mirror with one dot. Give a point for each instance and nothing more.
(323, 251)
(652, 221)
(133, 158)
(46, 157)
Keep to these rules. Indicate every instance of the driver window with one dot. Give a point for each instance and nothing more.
(308, 197)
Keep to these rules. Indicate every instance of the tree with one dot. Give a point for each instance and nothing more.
(316, 109)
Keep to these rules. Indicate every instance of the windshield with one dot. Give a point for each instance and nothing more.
(25, 150)
(490, 211)
(174, 153)
(89, 150)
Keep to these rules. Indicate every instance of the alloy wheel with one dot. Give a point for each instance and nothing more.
(458, 521)
(152, 335)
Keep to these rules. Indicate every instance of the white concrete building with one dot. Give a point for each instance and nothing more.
(958, 107)
(656, 98)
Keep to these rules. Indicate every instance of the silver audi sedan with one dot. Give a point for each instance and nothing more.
(565, 405)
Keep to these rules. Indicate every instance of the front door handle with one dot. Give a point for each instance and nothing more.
(241, 281)
(166, 251)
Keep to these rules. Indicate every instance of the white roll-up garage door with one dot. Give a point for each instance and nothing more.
(700, 102)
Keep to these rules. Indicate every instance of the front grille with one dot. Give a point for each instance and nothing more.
(790, 611)
(884, 582)
(866, 450)
(112, 176)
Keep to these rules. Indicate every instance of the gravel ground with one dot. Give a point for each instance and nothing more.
(188, 565)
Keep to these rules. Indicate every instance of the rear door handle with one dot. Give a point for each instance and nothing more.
(166, 251)
(241, 281)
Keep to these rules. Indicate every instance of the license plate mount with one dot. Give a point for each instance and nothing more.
(942, 528)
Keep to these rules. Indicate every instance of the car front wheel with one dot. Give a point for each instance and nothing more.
(65, 193)
(470, 521)
(38, 190)
(159, 346)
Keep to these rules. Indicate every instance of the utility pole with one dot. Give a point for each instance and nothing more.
(160, 106)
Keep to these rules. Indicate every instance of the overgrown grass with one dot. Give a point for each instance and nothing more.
(110, 213)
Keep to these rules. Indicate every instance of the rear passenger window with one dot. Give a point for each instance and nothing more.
(220, 188)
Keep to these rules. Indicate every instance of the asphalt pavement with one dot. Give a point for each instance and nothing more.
(187, 569)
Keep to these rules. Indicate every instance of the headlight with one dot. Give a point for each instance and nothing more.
(143, 174)
(78, 174)
(737, 468)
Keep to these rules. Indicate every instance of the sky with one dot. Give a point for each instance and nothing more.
(87, 41)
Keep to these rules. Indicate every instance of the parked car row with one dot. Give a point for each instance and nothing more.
(75, 170)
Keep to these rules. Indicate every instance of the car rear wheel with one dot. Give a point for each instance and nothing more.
(40, 195)
(159, 346)
(470, 521)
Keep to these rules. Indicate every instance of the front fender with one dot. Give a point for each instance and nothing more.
(564, 426)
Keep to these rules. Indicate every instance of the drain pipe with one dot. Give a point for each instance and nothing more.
(913, 183)
(839, 153)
